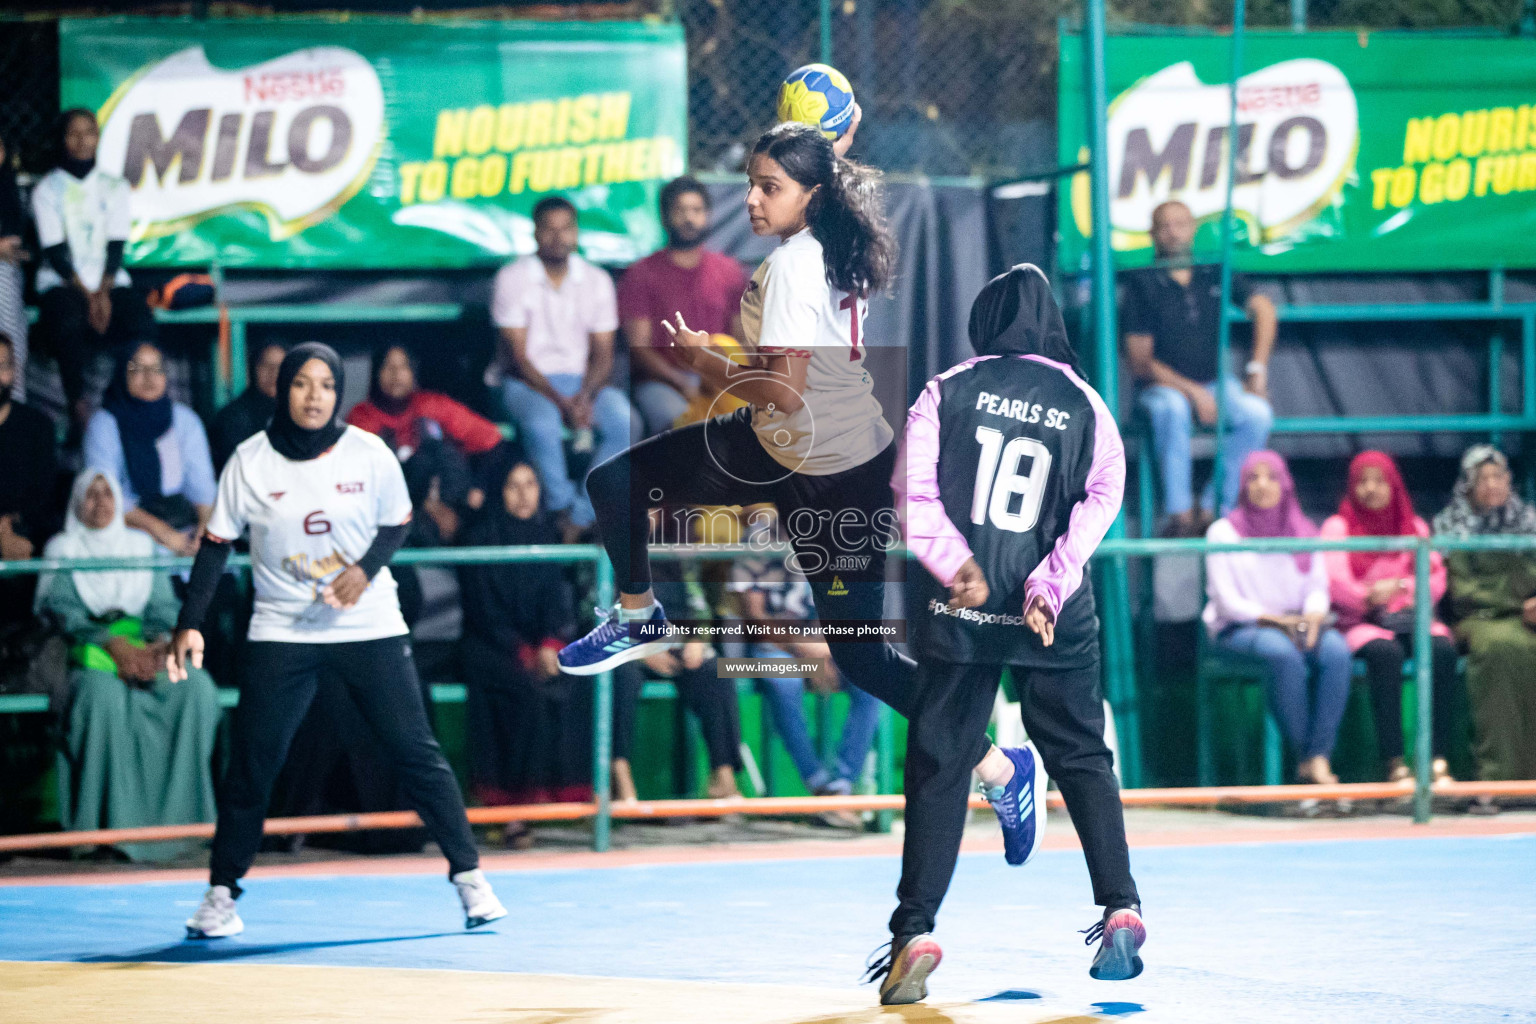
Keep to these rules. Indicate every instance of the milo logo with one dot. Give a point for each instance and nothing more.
(1297, 135)
(294, 138)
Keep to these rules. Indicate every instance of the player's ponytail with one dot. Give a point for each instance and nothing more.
(846, 214)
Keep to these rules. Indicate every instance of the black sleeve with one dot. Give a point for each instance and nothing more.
(114, 260)
(206, 569)
(385, 543)
(58, 258)
(41, 513)
(1242, 290)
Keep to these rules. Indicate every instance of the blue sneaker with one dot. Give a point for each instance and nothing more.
(1020, 805)
(610, 645)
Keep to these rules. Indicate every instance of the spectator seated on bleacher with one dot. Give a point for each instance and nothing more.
(704, 286)
(1274, 607)
(691, 668)
(250, 413)
(86, 304)
(28, 468)
(1373, 594)
(1170, 314)
(557, 316)
(156, 449)
(139, 749)
(1493, 596)
(13, 311)
(444, 447)
(530, 726)
(769, 591)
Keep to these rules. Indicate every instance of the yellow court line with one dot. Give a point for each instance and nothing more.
(152, 993)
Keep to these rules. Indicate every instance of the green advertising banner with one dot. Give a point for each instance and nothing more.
(1356, 152)
(325, 144)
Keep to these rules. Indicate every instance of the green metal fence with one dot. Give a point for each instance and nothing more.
(1118, 654)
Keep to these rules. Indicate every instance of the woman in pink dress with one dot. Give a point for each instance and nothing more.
(1373, 594)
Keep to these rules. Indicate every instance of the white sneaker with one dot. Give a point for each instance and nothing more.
(216, 917)
(480, 904)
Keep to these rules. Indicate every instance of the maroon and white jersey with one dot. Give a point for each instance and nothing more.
(308, 521)
(791, 308)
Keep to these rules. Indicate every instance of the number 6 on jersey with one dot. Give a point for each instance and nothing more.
(997, 475)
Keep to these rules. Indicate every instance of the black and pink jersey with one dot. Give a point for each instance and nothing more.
(1015, 460)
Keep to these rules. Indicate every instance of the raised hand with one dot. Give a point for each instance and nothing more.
(683, 335)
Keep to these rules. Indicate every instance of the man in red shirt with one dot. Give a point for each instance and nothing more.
(704, 286)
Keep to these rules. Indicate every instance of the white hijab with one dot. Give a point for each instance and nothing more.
(102, 591)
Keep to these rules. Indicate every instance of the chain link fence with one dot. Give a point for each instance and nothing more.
(29, 96)
(948, 87)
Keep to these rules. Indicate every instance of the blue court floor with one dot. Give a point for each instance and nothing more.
(1431, 930)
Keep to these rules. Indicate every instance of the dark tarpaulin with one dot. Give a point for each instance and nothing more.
(1382, 368)
(942, 232)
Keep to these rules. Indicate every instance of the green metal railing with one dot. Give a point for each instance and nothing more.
(1118, 653)
(570, 554)
(230, 379)
(1422, 548)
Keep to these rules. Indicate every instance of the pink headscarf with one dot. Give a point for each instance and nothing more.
(1284, 520)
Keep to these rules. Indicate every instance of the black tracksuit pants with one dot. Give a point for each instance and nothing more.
(280, 682)
(1063, 710)
(712, 701)
(845, 516)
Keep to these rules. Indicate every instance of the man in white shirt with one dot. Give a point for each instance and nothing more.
(85, 303)
(557, 315)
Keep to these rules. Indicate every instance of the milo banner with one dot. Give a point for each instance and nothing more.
(316, 144)
(1355, 152)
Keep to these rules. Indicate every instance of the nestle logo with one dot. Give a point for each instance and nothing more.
(356, 487)
(289, 86)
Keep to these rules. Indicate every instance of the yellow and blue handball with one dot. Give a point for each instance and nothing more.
(818, 95)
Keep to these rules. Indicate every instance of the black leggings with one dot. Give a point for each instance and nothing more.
(1384, 671)
(64, 325)
(280, 682)
(838, 525)
(1063, 712)
(712, 701)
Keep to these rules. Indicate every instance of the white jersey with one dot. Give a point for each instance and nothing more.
(790, 307)
(87, 213)
(310, 520)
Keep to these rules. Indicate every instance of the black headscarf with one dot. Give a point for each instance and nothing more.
(513, 604)
(140, 424)
(78, 168)
(291, 440)
(1016, 313)
(11, 222)
(389, 406)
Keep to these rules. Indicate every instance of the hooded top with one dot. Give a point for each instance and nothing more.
(1011, 459)
(291, 440)
(1016, 313)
